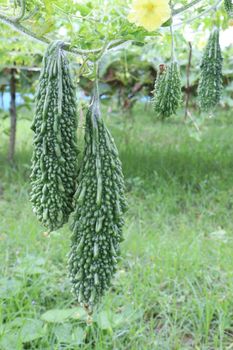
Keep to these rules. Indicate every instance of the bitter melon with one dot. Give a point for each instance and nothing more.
(54, 161)
(228, 4)
(98, 217)
(167, 92)
(210, 83)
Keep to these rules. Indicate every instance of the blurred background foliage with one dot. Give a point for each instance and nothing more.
(127, 73)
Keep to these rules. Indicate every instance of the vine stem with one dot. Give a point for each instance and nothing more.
(22, 11)
(212, 8)
(185, 7)
(172, 44)
(95, 103)
(172, 35)
(85, 18)
(21, 29)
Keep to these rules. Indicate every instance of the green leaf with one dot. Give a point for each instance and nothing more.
(17, 322)
(83, 9)
(79, 314)
(128, 315)
(9, 287)
(103, 321)
(31, 330)
(167, 23)
(61, 315)
(10, 341)
(26, 330)
(63, 333)
(78, 336)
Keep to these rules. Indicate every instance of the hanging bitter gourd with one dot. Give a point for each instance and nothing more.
(167, 92)
(159, 78)
(54, 168)
(98, 217)
(228, 4)
(210, 83)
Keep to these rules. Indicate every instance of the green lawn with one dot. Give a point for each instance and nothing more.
(174, 286)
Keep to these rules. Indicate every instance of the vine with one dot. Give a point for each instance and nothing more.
(203, 13)
(22, 11)
(185, 7)
(15, 24)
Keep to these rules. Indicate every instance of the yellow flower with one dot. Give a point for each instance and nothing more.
(150, 14)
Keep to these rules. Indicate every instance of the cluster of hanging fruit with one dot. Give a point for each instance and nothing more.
(94, 193)
(167, 90)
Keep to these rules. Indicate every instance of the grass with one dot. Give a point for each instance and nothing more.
(174, 286)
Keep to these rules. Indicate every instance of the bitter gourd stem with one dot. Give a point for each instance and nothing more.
(172, 37)
(185, 7)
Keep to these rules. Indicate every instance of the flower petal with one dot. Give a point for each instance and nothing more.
(150, 14)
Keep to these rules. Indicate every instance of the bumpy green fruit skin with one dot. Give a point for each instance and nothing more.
(54, 168)
(228, 4)
(98, 217)
(167, 92)
(210, 83)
